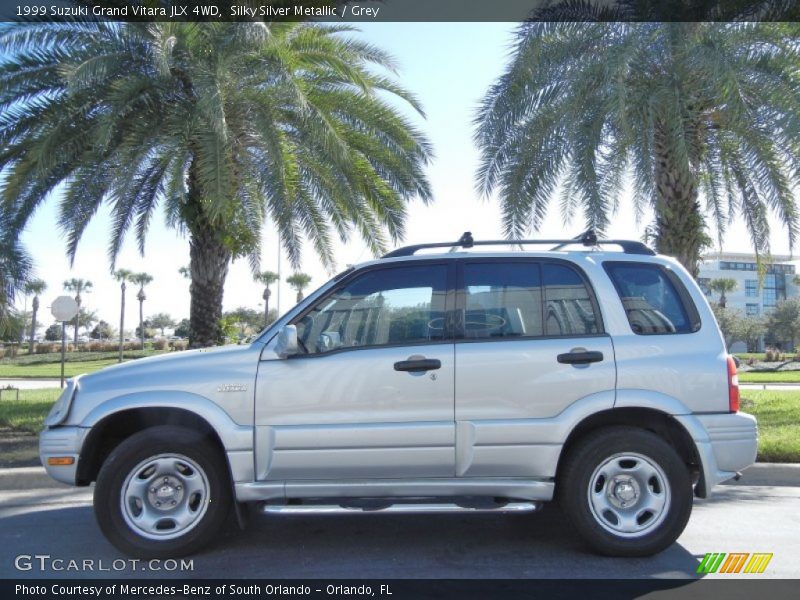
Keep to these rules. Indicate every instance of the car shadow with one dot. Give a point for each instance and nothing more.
(539, 545)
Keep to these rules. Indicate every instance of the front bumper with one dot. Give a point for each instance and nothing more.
(726, 443)
(61, 442)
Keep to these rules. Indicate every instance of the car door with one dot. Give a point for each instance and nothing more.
(371, 395)
(530, 343)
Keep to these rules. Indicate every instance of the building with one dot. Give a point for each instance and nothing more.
(778, 283)
(751, 299)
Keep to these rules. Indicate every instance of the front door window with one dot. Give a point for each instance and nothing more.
(383, 307)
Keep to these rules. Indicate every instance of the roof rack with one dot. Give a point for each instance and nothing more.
(587, 238)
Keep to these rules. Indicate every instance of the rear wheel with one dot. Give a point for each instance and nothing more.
(163, 492)
(627, 491)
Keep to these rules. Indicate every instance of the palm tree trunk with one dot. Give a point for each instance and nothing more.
(679, 221)
(141, 320)
(266, 296)
(34, 311)
(24, 319)
(209, 259)
(208, 262)
(77, 320)
(122, 321)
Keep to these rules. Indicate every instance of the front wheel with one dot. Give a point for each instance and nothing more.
(163, 492)
(627, 491)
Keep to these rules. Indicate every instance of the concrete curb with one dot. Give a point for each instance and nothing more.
(777, 474)
(760, 474)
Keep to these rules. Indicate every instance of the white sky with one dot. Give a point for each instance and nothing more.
(449, 66)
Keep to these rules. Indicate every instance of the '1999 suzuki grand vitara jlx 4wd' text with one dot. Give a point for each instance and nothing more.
(426, 382)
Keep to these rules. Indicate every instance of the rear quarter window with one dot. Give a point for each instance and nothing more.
(656, 302)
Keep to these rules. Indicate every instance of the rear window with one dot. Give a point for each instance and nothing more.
(654, 299)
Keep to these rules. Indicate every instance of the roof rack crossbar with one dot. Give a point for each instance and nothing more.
(587, 238)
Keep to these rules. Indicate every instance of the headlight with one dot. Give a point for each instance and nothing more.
(60, 409)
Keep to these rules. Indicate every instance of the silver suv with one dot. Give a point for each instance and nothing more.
(427, 382)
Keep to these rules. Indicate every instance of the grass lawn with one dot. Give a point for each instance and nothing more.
(770, 377)
(778, 414)
(29, 412)
(49, 365)
(54, 369)
(75, 356)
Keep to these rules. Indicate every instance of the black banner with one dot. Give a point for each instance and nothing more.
(401, 10)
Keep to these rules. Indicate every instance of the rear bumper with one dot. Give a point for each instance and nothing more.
(61, 441)
(726, 443)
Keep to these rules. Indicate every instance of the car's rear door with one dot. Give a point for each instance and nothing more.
(530, 343)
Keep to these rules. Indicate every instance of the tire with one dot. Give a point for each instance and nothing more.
(164, 492)
(626, 491)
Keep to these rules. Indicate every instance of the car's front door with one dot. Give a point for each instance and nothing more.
(371, 394)
(530, 345)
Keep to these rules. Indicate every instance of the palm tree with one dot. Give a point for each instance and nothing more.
(185, 272)
(299, 281)
(123, 276)
(15, 271)
(724, 286)
(222, 124)
(267, 278)
(690, 111)
(79, 286)
(141, 279)
(35, 287)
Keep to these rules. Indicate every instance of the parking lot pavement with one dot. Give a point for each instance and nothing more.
(58, 522)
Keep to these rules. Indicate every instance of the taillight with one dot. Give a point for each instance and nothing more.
(733, 386)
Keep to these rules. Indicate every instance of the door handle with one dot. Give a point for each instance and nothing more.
(420, 364)
(580, 358)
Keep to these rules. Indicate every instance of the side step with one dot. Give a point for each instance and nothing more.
(400, 508)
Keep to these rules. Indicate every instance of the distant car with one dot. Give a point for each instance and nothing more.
(427, 383)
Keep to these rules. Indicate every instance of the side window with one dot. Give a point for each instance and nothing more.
(401, 305)
(653, 303)
(503, 300)
(568, 308)
(525, 299)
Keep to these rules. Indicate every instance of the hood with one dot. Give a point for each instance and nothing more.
(170, 368)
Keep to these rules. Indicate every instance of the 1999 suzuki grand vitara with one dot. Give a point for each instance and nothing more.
(428, 382)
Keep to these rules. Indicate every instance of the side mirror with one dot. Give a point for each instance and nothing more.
(287, 341)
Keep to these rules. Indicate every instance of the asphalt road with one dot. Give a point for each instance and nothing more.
(740, 518)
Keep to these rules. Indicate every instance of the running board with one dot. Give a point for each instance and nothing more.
(400, 508)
